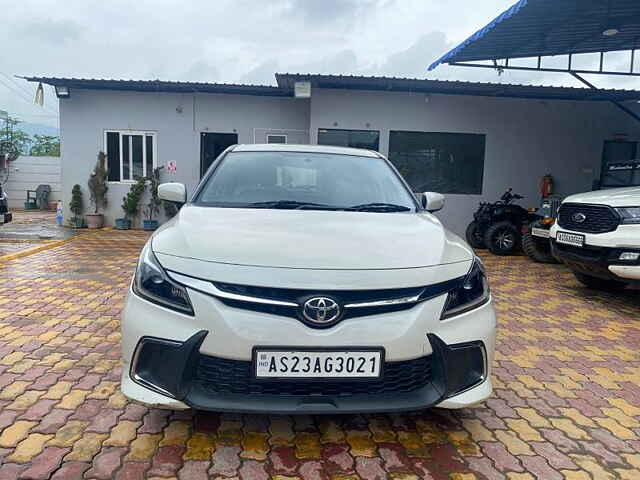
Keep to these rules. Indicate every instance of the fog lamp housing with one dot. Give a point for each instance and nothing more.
(165, 366)
(629, 256)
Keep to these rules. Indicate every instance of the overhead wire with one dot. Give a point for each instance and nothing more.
(22, 94)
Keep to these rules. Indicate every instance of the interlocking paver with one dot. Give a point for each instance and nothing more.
(566, 403)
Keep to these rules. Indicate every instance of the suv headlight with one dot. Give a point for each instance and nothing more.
(153, 284)
(473, 292)
(629, 215)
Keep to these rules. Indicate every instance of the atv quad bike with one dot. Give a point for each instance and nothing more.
(535, 236)
(497, 226)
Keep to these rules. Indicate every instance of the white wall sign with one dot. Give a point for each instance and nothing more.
(302, 89)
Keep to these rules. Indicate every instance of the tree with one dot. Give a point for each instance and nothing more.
(13, 141)
(45, 145)
(153, 206)
(98, 183)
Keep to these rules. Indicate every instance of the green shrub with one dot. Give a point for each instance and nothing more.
(98, 183)
(130, 202)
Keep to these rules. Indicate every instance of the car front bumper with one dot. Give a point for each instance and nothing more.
(223, 334)
(597, 261)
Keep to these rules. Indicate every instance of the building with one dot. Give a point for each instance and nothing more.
(470, 141)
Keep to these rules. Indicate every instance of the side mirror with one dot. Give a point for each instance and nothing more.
(432, 201)
(173, 192)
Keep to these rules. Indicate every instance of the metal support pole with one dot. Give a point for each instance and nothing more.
(626, 110)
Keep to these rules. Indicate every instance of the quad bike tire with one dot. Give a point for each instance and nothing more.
(473, 237)
(539, 250)
(502, 238)
(600, 283)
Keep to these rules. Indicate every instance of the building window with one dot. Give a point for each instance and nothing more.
(276, 138)
(130, 154)
(367, 139)
(439, 162)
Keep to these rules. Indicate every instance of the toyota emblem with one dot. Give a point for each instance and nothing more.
(578, 217)
(321, 310)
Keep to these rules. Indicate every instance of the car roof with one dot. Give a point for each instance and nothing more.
(281, 147)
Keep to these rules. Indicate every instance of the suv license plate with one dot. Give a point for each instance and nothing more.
(312, 364)
(570, 239)
(540, 232)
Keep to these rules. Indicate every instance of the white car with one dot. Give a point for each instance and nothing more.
(597, 235)
(306, 279)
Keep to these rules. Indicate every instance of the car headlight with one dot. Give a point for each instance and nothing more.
(629, 215)
(473, 292)
(152, 283)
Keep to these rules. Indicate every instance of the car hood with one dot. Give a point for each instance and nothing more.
(614, 197)
(309, 239)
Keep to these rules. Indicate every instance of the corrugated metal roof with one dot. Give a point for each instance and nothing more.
(532, 28)
(160, 86)
(393, 84)
(286, 83)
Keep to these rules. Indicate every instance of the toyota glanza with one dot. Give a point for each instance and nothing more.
(306, 279)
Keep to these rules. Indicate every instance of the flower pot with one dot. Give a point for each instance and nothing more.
(76, 222)
(123, 224)
(95, 220)
(150, 224)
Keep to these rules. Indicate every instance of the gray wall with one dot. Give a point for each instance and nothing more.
(525, 139)
(26, 173)
(177, 119)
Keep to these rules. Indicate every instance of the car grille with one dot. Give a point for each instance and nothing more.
(294, 295)
(344, 297)
(599, 218)
(583, 252)
(218, 375)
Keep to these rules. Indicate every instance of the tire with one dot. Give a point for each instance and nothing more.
(502, 238)
(600, 283)
(474, 238)
(539, 250)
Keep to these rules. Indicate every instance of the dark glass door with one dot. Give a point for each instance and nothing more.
(212, 145)
(620, 164)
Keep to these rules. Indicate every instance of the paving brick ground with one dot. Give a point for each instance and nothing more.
(8, 247)
(566, 402)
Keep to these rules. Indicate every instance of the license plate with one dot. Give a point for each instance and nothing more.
(310, 364)
(570, 239)
(540, 232)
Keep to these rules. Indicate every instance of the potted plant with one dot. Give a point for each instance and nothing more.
(76, 207)
(153, 207)
(170, 209)
(98, 188)
(130, 204)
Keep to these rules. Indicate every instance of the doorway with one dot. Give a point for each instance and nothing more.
(620, 164)
(212, 145)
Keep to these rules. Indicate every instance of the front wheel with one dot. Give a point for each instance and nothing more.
(600, 283)
(502, 238)
(474, 236)
(538, 249)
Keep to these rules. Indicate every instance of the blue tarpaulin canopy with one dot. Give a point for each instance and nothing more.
(538, 28)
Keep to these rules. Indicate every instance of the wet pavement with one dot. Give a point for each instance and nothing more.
(35, 225)
(566, 403)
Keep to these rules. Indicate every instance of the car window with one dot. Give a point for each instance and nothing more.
(246, 178)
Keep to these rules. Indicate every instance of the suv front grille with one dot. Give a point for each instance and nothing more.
(219, 375)
(598, 218)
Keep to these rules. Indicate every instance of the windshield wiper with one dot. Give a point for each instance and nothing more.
(293, 205)
(379, 207)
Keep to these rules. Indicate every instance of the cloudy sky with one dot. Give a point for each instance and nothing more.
(237, 41)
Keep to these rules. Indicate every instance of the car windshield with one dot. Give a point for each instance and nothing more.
(301, 180)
